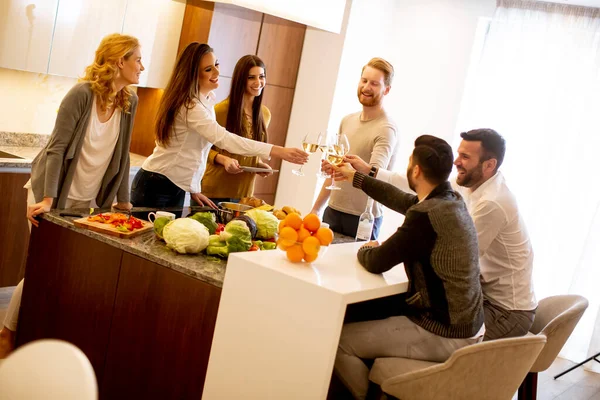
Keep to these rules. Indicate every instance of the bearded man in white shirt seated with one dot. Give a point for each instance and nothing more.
(505, 251)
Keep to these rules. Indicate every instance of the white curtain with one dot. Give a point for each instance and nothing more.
(537, 82)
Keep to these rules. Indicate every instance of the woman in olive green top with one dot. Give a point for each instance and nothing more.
(241, 113)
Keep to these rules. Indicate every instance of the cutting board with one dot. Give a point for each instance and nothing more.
(109, 229)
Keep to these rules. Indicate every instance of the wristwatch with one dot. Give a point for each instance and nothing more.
(373, 171)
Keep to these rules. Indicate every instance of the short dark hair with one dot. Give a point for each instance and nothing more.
(493, 145)
(434, 156)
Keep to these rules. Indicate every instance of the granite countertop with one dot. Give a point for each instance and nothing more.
(205, 268)
(28, 153)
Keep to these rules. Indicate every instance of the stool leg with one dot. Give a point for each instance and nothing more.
(528, 389)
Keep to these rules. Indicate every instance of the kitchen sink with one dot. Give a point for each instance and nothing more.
(4, 154)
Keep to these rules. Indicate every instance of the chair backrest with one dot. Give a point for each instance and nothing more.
(556, 318)
(490, 370)
(47, 369)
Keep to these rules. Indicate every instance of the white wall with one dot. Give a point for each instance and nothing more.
(29, 101)
(429, 43)
(315, 87)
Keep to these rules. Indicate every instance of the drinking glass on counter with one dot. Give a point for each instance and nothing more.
(310, 144)
(335, 154)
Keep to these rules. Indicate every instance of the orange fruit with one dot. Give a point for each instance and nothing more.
(295, 253)
(312, 222)
(310, 258)
(303, 233)
(311, 246)
(283, 245)
(288, 236)
(325, 236)
(293, 220)
(281, 225)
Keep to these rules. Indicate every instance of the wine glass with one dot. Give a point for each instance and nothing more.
(323, 146)
(310, 144)
(336, 153)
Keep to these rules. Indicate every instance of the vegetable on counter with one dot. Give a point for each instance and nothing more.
(208, 219)
(186, 236)
(266, 223)
(235, 237)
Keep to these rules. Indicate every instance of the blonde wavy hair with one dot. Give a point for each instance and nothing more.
(102, 72)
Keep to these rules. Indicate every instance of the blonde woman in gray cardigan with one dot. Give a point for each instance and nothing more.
(86, 161)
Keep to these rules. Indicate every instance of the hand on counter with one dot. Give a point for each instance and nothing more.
(369, 245)
(38, 208)
(203, 200)
(122, 206)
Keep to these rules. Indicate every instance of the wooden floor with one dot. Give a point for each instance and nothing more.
(578, 384)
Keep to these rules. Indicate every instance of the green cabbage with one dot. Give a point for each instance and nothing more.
(186, 235)
(208, 219)
(235, 237)
(266, 223)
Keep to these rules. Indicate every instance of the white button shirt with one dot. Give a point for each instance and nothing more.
(183, 161)
(505, 251)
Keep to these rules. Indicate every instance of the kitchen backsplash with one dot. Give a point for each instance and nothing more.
(29, 101)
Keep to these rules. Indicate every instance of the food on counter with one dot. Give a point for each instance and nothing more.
(208, 219)
(303, 239)
(281, 214)
(159, 225)
(266, 223)
(120, 221)
(235, 237)
(266, 207)
(249, 222)
(252, 201)
(186, 236)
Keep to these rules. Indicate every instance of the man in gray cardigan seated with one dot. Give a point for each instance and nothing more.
(442, 310)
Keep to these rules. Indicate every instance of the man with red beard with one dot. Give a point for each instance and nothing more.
(372, 135)
(505, 250)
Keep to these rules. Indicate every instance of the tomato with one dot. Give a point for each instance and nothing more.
(254, 248)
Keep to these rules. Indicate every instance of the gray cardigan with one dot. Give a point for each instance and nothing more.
(53, 169)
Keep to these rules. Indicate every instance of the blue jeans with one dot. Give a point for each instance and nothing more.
(347, 224)
(150, 189)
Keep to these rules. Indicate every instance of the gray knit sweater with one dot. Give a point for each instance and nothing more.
(438, 245)
(53, 168)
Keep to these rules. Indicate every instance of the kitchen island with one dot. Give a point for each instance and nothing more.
(145, 316)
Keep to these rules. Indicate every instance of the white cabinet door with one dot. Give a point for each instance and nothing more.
(26, 33)
(157, 25)
(80, 26)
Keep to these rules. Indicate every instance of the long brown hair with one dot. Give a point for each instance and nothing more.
(102, 72)
(181, 91)
(235, 114)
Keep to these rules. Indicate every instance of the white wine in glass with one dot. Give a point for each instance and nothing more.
(310, 144)
(323, 146)
(336, 153)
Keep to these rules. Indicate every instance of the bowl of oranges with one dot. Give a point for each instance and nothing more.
(303, 239)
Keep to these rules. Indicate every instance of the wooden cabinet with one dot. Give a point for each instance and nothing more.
(80, 25)
(146, 329)
(14, 232)
(26, 33)
(157, 25)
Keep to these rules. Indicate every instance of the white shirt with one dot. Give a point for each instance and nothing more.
(505, 251)
(183, 161)
(96, 152)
